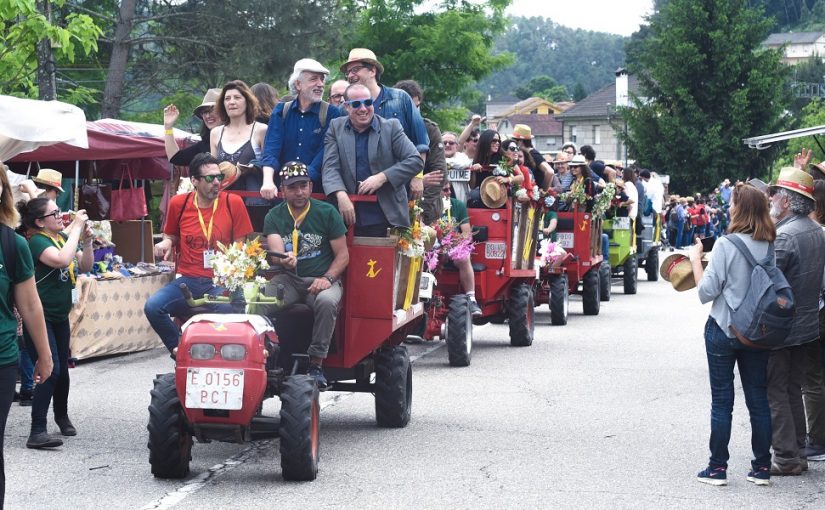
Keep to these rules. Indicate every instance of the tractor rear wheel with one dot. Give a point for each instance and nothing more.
(631, 274)
(590, 292)
(393, 387)
(520, 315)
(459, 332)
(652, 264)
(170, 442)
(605, 274)
(300, 428)
(559, 299)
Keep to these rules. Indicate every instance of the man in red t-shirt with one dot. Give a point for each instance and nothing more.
(195, 222)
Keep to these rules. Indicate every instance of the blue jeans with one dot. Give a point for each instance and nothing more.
(723, 353)
(56, 387)
(26, 370)
(680, 233)
(606, 247)
(169, 302)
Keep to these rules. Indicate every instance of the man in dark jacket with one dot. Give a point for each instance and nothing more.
(799, 244)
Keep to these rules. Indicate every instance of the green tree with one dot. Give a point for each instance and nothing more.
(542, 86)
(446, 49)
(22, 26)
(706, 83)
(578, 92)
(813, 114)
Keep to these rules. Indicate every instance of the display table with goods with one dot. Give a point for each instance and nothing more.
(108, 317)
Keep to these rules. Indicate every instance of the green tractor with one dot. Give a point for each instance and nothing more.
(622, 254)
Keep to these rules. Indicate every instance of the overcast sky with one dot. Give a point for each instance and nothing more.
(621, 17)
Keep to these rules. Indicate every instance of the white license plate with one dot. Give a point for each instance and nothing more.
(621, 223)
(495, 251)
(459, 174)
(214, 388)
(565, 239)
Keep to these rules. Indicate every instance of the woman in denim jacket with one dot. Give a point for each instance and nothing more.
(725, 283)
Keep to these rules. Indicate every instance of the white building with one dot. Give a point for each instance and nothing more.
(798, 47)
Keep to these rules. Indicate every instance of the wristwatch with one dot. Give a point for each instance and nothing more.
(329, 278)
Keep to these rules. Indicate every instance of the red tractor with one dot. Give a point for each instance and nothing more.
(227, 365)
(503, 265)
(580, 234)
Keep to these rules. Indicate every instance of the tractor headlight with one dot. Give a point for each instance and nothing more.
(233, 352)
(202, 351)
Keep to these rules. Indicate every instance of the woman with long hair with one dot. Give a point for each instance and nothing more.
(27, 301)
(267, 98)
(725, 282)
(488, 152)
(55, 255)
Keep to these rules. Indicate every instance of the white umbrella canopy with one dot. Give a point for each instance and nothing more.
(28, 124)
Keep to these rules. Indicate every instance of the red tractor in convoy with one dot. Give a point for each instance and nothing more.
(503, 265)
(582, 271)
(228, 364)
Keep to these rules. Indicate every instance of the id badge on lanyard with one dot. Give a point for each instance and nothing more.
(207, 258)
(209, 253)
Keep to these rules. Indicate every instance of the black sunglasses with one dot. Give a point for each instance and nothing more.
(356, 103)
(513, 148)
(472, 139)
(449, 143)
(211, 178)
(56, 213)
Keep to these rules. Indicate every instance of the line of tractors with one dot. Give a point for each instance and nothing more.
(227, 365)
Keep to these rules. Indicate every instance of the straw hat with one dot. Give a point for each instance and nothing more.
(578, 160)
(561, 157)
(522, 132)
(230, 174)
(677, 270)
(797, 180)
(362, 55)
(208, 102)
(493, 194)
(49, 177)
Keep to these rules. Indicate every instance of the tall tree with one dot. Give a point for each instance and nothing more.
(706, 83)
(23, 30)
(446, 49)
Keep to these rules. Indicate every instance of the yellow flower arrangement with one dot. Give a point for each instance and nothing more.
(237, 263)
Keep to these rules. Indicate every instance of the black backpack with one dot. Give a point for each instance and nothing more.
(766, 314)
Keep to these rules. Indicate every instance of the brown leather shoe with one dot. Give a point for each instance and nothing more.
(786, 470)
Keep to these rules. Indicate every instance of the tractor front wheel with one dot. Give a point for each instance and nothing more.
(559, 299)
(459, 332)
(520, 312)
(393, 387)
(652, 264)
(590, 292)
(300, 428)
(605, 274)
(170, 442)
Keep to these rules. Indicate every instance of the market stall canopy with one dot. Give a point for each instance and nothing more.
(113, 144)
(28, 124)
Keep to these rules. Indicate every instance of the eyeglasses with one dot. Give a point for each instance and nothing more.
(449, 143)
(356, 103)
(56, 213)
(355, 69)
(336, 97)
(513, 148)
(474, 140)
(210, 178)
(570, 152)
(495, 140)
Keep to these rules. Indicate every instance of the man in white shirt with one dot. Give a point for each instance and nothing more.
(458, 165)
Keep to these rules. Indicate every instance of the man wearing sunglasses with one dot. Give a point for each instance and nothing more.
(390, 103)
(367, 154)
(195, 223)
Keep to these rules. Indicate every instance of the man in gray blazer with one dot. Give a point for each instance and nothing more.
(367, 154)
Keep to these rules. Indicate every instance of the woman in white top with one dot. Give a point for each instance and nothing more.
(725, 282)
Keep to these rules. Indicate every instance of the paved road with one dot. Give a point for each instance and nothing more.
(606, 412)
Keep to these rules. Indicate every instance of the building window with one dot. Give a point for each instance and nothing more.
(573, 134)
(597, 135)
(550, 142)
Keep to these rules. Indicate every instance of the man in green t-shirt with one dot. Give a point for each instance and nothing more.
(313, 236)
(457, 210)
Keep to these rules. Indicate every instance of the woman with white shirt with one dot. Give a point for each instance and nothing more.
(725, 282)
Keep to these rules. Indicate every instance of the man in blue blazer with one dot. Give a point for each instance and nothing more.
(367, 154)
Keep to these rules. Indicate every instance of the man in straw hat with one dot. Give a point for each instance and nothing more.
(297, 128)
(390, 103)
(800, 243)
(367, 154)
(195, 223)
(542, 171)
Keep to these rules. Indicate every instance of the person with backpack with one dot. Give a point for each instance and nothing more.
(800, 243)
(726, 282)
